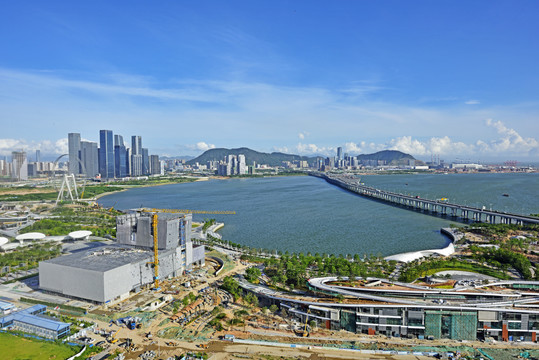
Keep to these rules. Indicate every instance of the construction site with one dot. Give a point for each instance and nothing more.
(159, 291)
(137, 260)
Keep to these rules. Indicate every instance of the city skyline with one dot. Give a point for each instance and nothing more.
(448, 78)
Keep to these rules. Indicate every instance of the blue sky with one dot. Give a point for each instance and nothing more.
(455, 78)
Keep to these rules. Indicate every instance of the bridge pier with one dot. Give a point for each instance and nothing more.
(466, 213)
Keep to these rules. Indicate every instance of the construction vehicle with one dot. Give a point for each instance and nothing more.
(131, 322)
(113, 339)
(304, 332)
(155, 219)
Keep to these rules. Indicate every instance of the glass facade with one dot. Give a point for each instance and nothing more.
(106, 154)
(120, 161)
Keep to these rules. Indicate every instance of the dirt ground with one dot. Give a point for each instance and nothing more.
(229, 350)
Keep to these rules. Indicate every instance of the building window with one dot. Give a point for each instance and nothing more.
(514, 325)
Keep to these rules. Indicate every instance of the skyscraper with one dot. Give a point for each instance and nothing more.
(19, 166)
(339, 153)
(73, 142)
(128, 166)
(136, 155)
(242, 167)
(120, 157)
(106, 154)
(38, 156)
(89, 156)
(136, 145)
(155, 165)
(145, 162)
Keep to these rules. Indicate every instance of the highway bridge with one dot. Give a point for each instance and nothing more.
(436, 207)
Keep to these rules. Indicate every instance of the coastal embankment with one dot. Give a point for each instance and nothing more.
(453, 234)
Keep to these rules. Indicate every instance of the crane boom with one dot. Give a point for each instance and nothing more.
(184, 211)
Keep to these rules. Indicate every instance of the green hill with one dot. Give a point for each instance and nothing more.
(273, 159)
(386, 155)
(276, 158)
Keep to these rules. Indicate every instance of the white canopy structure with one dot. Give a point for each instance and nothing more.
(80, 235)
(33, 236)
(9, 246)
(3, 241)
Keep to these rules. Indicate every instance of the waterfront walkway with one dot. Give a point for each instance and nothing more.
(435, 207)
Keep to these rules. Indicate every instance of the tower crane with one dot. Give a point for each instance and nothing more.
(155, 219)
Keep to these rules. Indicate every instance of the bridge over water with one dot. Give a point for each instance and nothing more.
(435, 207)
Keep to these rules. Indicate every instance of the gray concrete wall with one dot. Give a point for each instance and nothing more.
(119, 281)
(168, 230)
(199, 254)
(144, 237)
(124, 224)
(85, 284)
(189, 255)
(168, 233)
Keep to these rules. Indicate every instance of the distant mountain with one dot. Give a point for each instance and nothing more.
(392, 157)
(273, 159)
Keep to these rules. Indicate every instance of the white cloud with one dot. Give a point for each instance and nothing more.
(281, 149)
(472, 102)
(46, 147)
(248, 114)
(435, 145)
(313, 149)
(202, 146)
(511, 140)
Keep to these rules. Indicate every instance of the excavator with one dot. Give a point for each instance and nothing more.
(113, 339)
(304, 332)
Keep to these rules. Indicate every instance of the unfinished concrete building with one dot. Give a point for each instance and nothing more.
(112, 272)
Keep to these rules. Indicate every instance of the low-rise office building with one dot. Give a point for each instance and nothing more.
(31, 321)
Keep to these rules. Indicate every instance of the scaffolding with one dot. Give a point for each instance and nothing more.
(348, 320)
(456, 325)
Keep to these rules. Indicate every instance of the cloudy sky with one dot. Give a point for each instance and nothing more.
(454, 78)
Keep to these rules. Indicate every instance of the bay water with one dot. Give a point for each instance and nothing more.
(307, 214)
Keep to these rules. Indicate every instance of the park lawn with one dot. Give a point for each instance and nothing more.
(474, 268)
(21, 348)
(228, 262)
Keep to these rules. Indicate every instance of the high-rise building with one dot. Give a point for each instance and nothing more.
(128, 167)
(155, 165)
(73, 142)
(232, 165)
(19, 166)
(32, 169)
(339, 153)
(38, 156)
(242, 167)
(4, 167)
(136, 145)
(145, 162)
(106, 154)
(89, 158)
(136, 155)
(136, 165)
(120, 157)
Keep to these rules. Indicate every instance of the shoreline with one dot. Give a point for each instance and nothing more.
(127, 187)
(414, 255)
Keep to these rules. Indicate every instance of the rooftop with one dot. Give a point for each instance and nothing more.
(104, 258)
(6, 306)
(41, 322)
